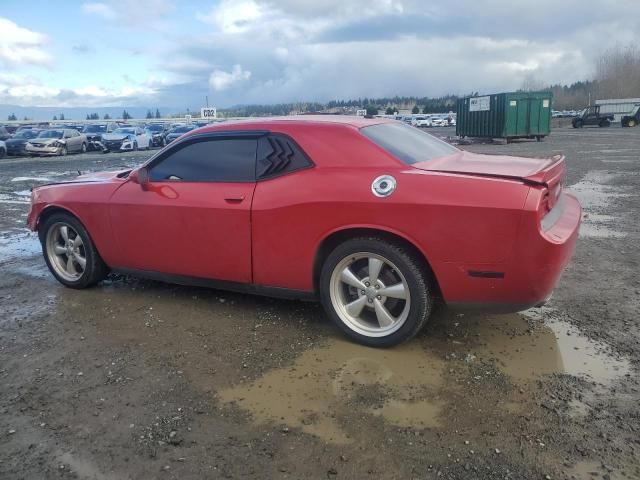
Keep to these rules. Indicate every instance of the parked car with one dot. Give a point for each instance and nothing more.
(126, 139)
(95, 131)
(439, 121)
(178, 131)
(592, 116)
(17, 145)
(4, 133)
(158, 132)
(57, 141)
(3, 149)
(317, 207)
(421, 121)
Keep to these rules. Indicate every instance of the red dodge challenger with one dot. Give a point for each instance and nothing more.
(374, 217)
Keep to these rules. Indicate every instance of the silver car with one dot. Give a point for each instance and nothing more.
(57, 141)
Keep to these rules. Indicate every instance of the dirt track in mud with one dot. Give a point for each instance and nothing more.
(140, 379)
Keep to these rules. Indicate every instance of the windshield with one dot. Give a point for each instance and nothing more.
(26, 134)
(406, 143)
(95, 129)
(51, 134)
(125, 131)
(155, 128)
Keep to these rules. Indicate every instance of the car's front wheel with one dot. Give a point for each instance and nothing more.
(70, 253)
(376, 291)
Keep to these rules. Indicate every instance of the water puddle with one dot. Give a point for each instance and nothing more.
(592, 470)
(326, 383)
(5, 198)
(557, 347)
(409, 385)
(19, 245)
(595, 195)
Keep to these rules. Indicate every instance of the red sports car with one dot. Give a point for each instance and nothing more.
(374, 217)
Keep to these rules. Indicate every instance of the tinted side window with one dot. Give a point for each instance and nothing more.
(224, 160)
(278, 155)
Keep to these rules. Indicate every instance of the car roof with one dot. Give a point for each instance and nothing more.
(308, 120)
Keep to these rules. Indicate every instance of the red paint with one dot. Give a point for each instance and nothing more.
(463, 212)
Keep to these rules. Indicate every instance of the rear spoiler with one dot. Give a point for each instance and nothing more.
(551, 175)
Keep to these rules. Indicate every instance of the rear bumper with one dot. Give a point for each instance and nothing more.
(541, 254)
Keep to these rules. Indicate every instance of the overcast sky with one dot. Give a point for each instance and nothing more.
(172, 53)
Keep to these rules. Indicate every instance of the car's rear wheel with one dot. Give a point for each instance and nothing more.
(70, 253)
(375, 291)
(604, 123)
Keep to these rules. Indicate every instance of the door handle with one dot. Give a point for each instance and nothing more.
(235, 198)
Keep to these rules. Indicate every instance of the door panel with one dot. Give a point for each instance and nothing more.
(185, 228)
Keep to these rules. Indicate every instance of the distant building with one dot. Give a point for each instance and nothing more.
(619, 107)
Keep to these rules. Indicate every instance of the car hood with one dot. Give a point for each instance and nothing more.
(18, 141)
(94, 177)
(535, 170)
(112, 136)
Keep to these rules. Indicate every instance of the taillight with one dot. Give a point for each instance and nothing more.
(545, 206)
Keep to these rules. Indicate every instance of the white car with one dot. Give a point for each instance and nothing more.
(125, 139)
(439, 122)
(421, 121)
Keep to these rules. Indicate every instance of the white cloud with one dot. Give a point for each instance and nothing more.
(100, 9)
(231, 16)
(130, 12)
(221, 80)
(21, 46)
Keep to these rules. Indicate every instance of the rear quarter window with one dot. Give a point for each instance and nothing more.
(406, 143)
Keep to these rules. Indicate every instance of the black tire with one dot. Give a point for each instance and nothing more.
(3, 152)
(604, 123)
(83, 148)
(578, 124)
(411, 267)
(135, 146)
(95, 270)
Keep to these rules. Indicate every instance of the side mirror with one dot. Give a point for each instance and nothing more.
(141, 177)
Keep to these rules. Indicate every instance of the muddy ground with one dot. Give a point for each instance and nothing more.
(140, 379)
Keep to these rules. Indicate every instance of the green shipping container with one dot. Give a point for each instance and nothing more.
(505, 115)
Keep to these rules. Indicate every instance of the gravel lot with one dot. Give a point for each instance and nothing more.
(140, 379)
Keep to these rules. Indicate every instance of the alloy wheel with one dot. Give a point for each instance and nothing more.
(66, 251)
(370, 294)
